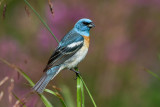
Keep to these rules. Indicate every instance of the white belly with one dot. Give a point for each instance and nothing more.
(76, 58)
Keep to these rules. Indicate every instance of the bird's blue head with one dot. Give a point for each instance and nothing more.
(83, 26)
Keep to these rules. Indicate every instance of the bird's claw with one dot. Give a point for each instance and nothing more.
(77, 73)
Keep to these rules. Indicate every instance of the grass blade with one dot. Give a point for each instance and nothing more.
(78, 92)
(45, 101)
(152, 73)
(18, 70)
(88, 91)
(43, 98)
(82, 92)
(18, 99)
(41, 20)
(58, 95)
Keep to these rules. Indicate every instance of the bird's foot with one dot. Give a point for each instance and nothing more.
(77, 72)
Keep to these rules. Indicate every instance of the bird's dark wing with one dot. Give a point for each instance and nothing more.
(65, 50)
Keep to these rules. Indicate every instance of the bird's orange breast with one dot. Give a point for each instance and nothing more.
(86, 41)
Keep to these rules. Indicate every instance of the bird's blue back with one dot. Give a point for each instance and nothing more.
(71, 37)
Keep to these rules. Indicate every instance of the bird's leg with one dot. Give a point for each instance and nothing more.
(75, 69)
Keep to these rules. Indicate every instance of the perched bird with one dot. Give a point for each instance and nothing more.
(71, 50)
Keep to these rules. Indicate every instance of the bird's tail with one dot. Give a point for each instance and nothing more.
(49, 75)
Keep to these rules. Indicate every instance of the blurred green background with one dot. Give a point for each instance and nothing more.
(125, 42)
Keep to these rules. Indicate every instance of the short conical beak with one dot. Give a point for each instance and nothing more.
(91, 25)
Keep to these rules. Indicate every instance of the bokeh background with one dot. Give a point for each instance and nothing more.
(124, 43)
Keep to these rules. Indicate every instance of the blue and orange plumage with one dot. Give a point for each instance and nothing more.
(71, 50)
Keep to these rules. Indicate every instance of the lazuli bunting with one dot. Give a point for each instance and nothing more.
(71, 50)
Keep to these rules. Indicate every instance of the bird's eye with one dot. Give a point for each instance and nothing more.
(86, 23)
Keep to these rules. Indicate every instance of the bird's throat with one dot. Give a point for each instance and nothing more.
(86, 41)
